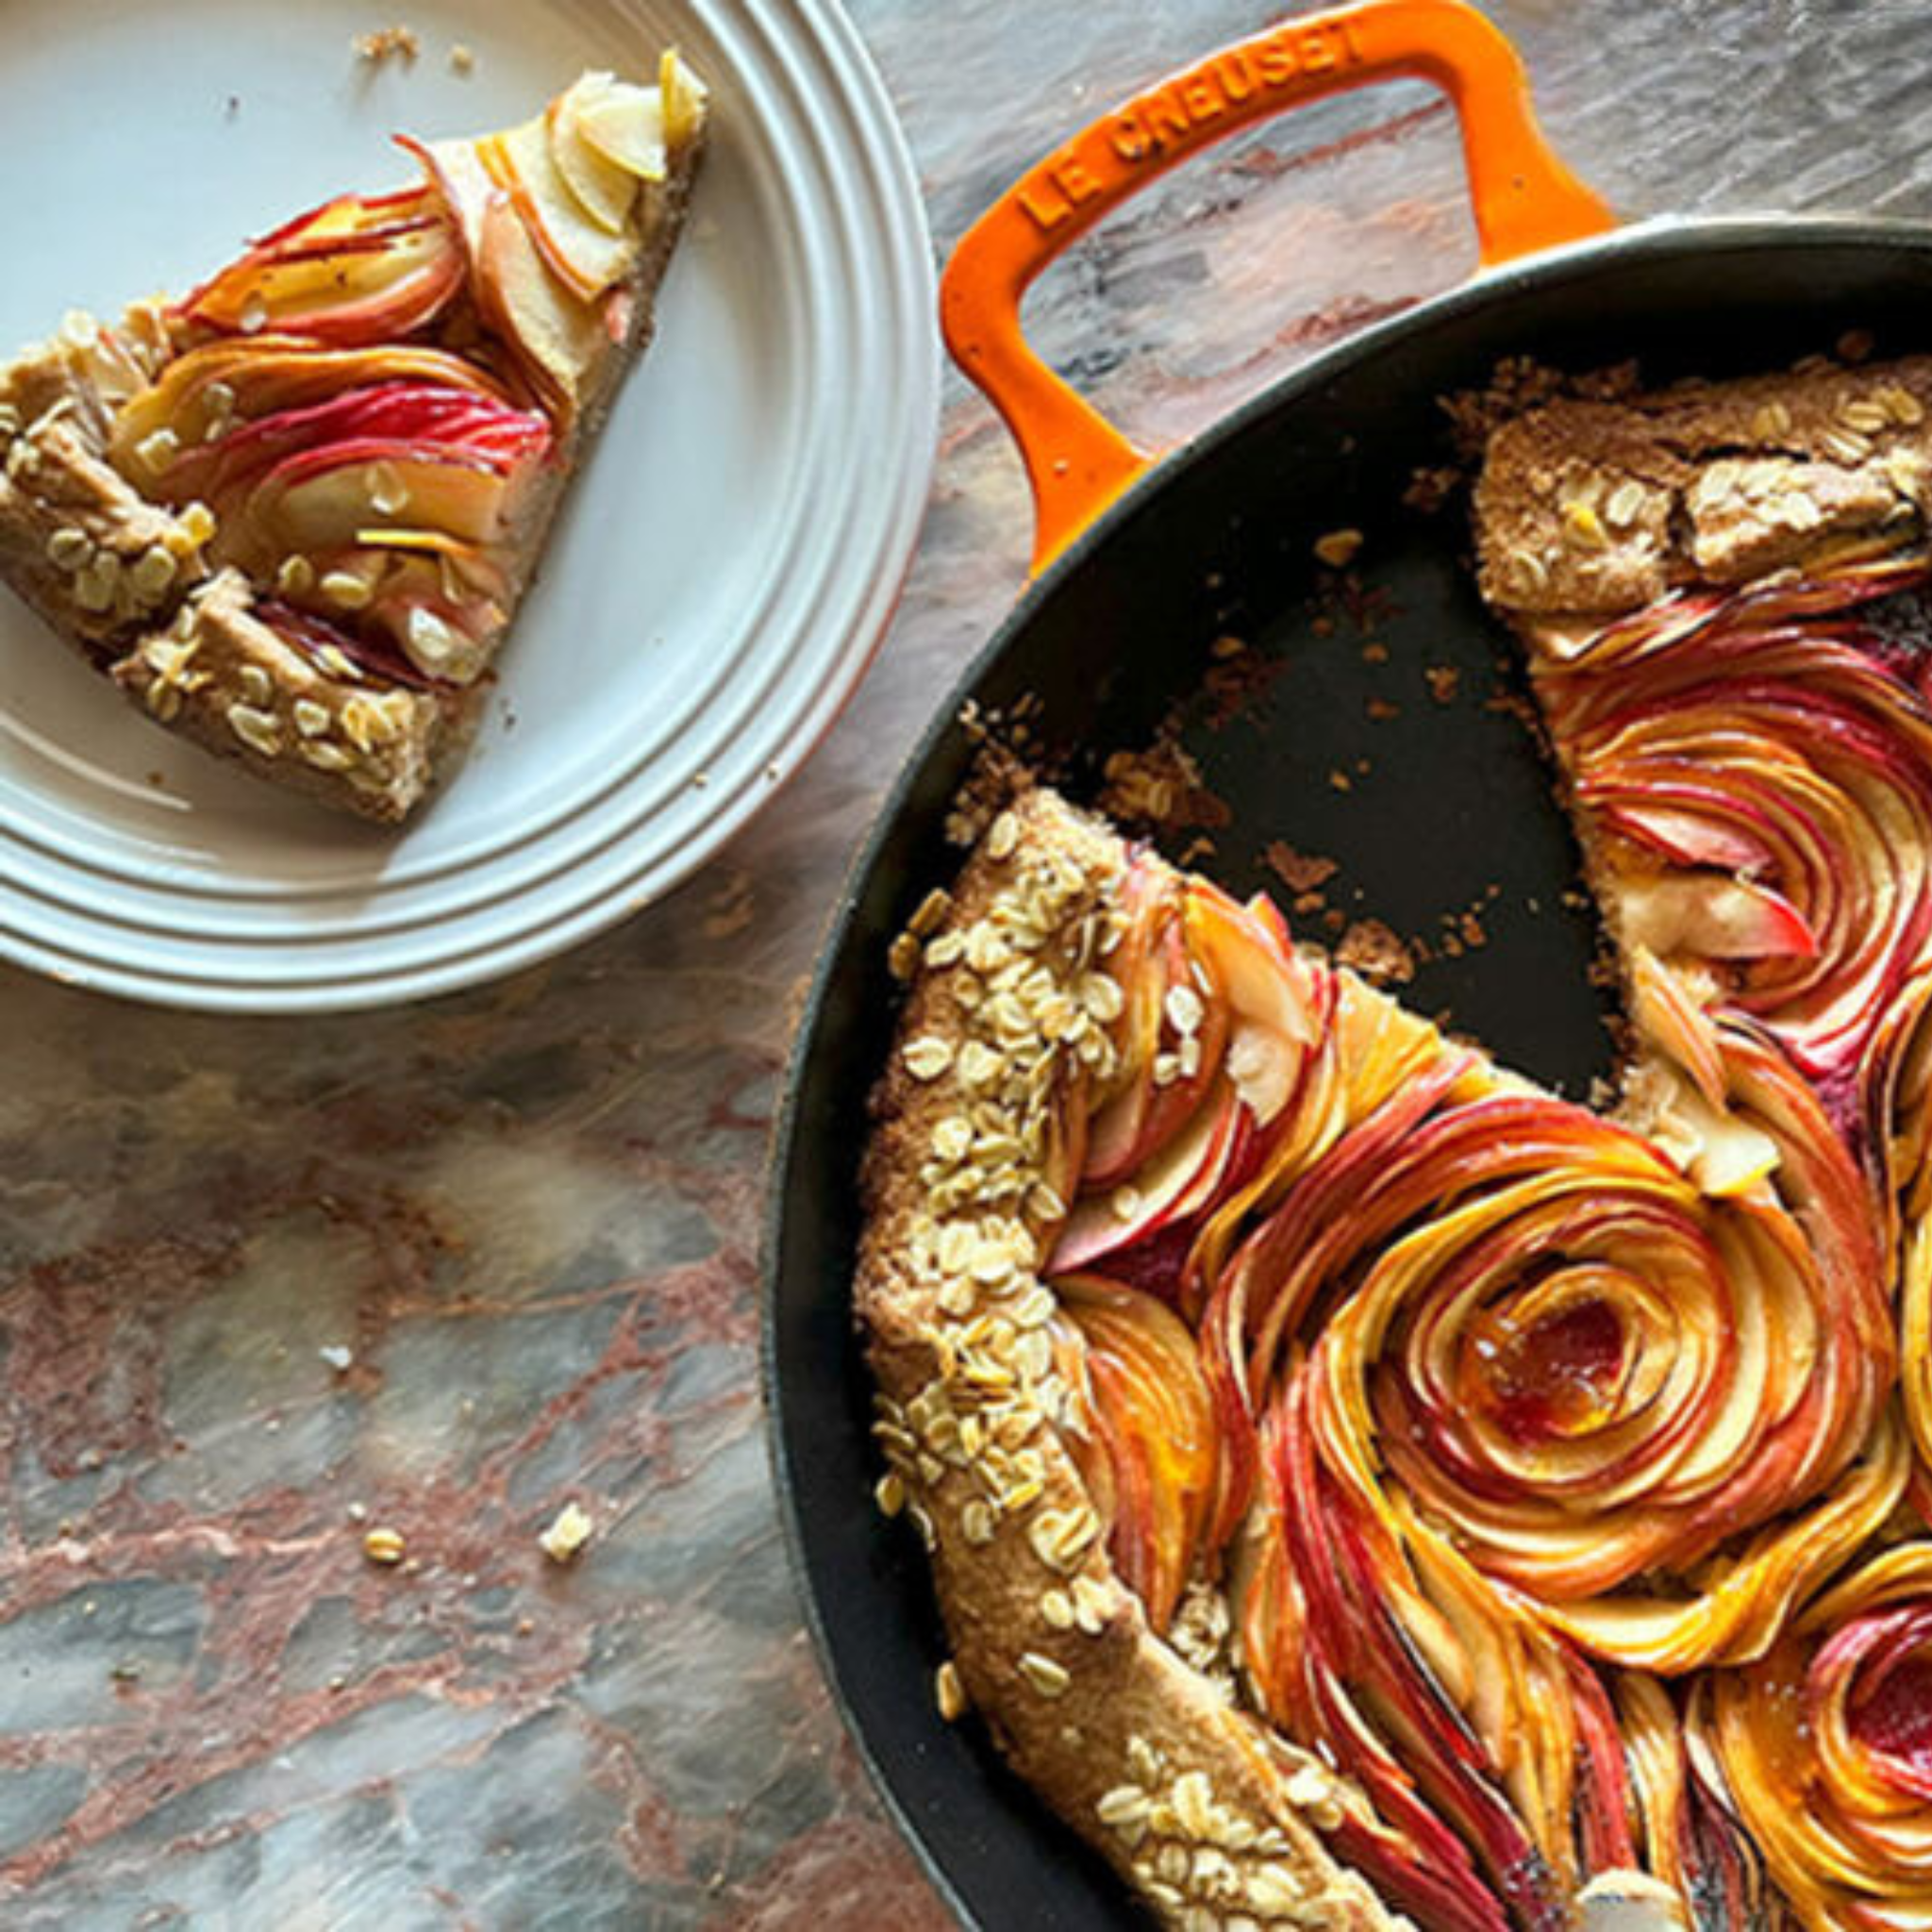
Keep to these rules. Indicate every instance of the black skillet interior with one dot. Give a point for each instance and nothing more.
(1454, 800)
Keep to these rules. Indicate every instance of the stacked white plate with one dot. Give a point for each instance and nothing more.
(719, 578)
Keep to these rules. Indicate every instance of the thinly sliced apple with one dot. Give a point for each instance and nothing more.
(322, 638)
(557, 336)
(586, 258)
(1666, 1012)
(1689, 837)
(609, 192)
(684, 97)
(1720, 919)
(319, 499)
(1154, 1419)
(624, 123)
(459, 176)
(1261, 979)
(356, 270)
(265, 375)
(1177, 1182)
(1723, 1153)
(390, 418)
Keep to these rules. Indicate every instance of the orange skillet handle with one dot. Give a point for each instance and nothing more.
(1525, 199)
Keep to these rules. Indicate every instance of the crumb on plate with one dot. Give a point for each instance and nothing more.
(387, 43)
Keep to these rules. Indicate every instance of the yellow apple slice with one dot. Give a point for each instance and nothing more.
(586, 258)
(454, 166)
(607, 192)
(626, 124)
(558, 337)
(684, 98)
(1721, 1152)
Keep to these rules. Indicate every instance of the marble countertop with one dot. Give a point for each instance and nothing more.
(443, 1271)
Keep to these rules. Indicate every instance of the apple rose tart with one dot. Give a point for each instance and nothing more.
(293, 513)
(1361, 1485)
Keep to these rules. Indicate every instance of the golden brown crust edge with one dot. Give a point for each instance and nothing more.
(184, 641)
(1210, 1817)
(1601, 508)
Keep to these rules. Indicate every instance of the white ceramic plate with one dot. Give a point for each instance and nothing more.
(720, 577)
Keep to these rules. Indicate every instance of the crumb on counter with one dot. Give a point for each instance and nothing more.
(387, 43)
(462, 59)
(337, 1356)
(1338, 548)
(568, 1533)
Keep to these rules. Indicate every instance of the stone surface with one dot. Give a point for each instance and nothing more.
(263, 1289)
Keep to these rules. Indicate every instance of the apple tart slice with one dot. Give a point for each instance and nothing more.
(292, 513)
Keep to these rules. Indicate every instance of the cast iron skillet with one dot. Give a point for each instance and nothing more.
(1118, 628)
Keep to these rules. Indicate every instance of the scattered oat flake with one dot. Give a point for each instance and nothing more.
(1373, 949)
(1341, 781)
(461, 61)
(1338, 548)
(1375, 653)
(387, 43)
(1381, 711)
(1443, 680)
(383, 1545)
(1299, 872)
(567, 1534)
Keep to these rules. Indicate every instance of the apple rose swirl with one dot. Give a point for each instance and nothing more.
(1825, 1749)
(1555, 1350)
(1756, 773)
(1560, 1404)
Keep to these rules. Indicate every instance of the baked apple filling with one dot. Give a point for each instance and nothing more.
(1546, 1490)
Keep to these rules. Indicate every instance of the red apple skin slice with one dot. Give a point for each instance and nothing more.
(265, 375)
(1720, 919)
(400, 414)
(319, 499)
(1177, 1182)
(1156, 1425)
(466, 190)
(356, 270)
(1689, 838)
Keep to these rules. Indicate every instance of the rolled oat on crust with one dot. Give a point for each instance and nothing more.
(1597, 508)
